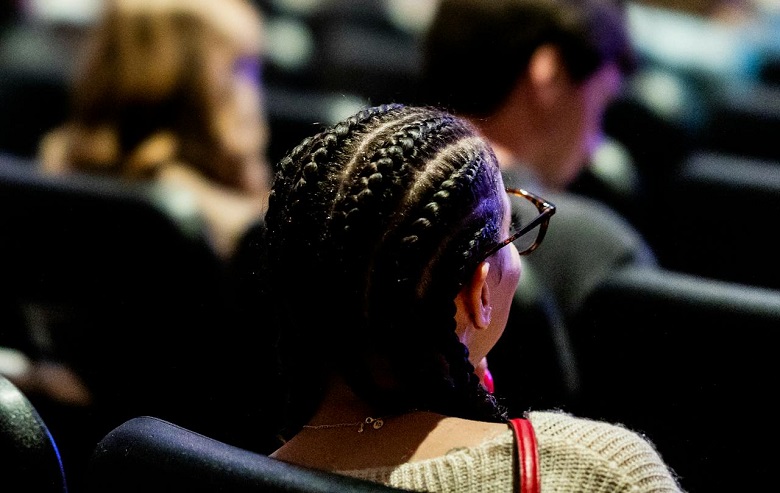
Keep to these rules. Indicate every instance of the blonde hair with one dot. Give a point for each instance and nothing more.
(156, 87)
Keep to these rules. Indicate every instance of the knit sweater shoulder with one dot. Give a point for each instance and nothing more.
(575, 454)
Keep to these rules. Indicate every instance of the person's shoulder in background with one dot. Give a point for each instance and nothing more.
(585, 242)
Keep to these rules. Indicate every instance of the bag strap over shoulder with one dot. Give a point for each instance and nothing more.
(527, 455)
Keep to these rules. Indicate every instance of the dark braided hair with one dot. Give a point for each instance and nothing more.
(374, 225)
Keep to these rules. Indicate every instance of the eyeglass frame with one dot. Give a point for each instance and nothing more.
(546, 210)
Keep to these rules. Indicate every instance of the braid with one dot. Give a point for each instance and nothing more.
(296, 222)
(391, 172)
(387, 171)
(423, 259)
(383, 215)
(293, 177)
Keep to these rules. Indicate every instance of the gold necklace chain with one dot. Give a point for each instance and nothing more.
(375, 423)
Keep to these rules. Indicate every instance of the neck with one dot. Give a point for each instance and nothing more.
(341, 405)
(516, 132)
(511, 138)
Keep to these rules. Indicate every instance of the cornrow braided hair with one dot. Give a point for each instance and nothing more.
(374, 225)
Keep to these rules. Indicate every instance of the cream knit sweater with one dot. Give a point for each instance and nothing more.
(575, 454)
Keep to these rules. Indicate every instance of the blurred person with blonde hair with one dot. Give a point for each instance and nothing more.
(171, 90)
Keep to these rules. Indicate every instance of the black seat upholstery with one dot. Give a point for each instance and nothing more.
(148, 454)
(744, 120)
(534, 363)
(96, 266)
(691, 362)
(364, 49)
(717, 217)
(113, 281)
(30, 458)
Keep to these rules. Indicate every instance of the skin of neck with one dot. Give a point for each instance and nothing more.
(341, 405)
(526, 129)
(516, 132)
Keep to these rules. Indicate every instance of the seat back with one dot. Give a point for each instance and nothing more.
(107, 280)
(744, 120)
(149, 454)
(689, 361)
(115, 282)
(534, 363)
(366, 49)
(717, 217)
(30, 458)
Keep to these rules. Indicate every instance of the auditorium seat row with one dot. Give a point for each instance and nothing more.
(112, 282)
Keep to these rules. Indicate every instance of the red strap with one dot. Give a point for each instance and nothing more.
(527, 455)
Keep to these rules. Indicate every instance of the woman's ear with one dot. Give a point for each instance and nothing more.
(474, 297)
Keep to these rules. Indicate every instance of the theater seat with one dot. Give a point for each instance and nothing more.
(30, 458)
(744, 120)
(149, 454)
(119, 283)
(692, 363)
(717, 217)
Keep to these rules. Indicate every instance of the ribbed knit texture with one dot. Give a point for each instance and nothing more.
(575, 455)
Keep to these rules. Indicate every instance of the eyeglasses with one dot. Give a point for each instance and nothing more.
(530, 218)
